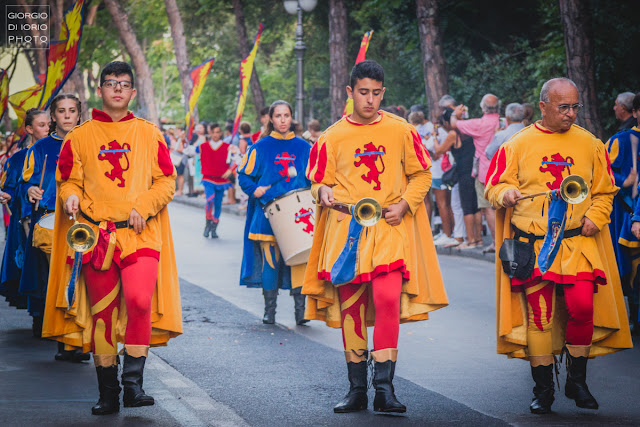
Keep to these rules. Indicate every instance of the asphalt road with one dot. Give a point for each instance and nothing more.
(230, 369)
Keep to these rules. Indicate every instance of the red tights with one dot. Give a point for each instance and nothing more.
(541, 301)
(138, 284)
(354, 302)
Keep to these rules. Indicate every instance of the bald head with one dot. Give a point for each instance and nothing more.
(490, 104)
(559, 104)
(561, 84)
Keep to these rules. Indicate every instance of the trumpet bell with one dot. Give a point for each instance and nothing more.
(81, 237)
(367, 212)
(573, 189)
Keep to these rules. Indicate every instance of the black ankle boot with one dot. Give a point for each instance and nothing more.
(214, 227)
(576, 386)
(207, 228)
(270, 301)
(356, 399)
(544, 389)
(63, 355)
(109, 388)
(132, 370)
(385, 400)
(299, 304)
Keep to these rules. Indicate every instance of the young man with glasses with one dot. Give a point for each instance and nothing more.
(115, 176)
(574, 266)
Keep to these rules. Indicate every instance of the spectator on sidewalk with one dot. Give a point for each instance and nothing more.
(264, 121)
(313, 132)
(245, 137)
(528, 114)
(623, 108)
(482, 131)
(514, 114)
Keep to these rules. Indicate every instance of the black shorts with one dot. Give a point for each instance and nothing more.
(180, 169)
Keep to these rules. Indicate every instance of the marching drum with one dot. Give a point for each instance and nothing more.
(291, 217)
(43, 232)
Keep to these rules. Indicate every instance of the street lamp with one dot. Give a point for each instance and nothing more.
(294, 7)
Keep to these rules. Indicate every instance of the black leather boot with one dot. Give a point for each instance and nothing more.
(109, 388)
(270, 302)
(214, 227)
(132, 370)
(356, 399)
(576, 386)
(299, 303)
(384, 370)
(63, 355)
(544, 389)
(207, 228)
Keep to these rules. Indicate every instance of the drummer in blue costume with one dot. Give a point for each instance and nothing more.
(273, 166)
(36, 124)
(623, 147)
(40, 169)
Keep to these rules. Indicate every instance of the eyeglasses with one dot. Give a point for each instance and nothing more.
(564, 108)
(111, 84)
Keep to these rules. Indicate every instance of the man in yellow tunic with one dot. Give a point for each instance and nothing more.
(395, 275)
(115, 175)
(580, 286)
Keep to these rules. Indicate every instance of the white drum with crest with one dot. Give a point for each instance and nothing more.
(292, 219)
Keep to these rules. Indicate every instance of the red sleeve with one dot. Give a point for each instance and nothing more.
(65, 161)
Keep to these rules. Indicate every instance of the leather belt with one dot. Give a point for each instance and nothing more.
(118, 224)
(531, 237)
(345, 209)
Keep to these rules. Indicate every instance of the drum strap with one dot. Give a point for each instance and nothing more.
(119, 224)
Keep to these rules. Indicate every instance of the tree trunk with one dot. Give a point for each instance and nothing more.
(180, 48)
(338, 69)
(146, 103)
(256, 89)
(433, 63)
(576, 21)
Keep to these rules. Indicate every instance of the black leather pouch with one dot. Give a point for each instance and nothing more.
(518, 258)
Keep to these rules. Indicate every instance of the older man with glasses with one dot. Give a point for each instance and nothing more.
(572, 270)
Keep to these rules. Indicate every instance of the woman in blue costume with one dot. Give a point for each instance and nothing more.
(625, 217)
(65, 115)
(36, 124)
(265, 174)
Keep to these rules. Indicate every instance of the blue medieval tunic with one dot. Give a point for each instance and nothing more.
(13, 258)
(267, 163)
(33, 281)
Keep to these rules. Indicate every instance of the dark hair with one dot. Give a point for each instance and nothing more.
(272, 108)
(445, 117)
(367, 69)
(264, 111)
(117, 68)
(31, 115)
(54, 105)
(636, 102)
(314, 125)
(245, 127)
(212, 126)
(228, 128)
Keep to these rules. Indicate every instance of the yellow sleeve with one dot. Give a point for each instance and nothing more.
(70, 173)
(502, 176)
(416, 163)
(163, 177)
(322, 163)
(603, 188)
(29, 165)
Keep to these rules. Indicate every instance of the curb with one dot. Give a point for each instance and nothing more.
(199, 202)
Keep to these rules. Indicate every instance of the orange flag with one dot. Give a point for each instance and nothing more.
(4, 92)
(246, 68)
(362, 54)
(198, 76)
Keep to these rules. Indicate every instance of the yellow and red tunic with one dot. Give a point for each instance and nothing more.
(384, 160)
(537, 160)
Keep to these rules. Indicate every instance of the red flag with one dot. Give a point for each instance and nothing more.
(362, 54)
(246, 69)
(198, 76)
(4, 92)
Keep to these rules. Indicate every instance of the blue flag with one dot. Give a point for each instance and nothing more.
(555, 231)
(344, 269)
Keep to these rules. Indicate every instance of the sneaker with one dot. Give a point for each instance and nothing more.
(447, 241)
(438, 237)
(453, 244)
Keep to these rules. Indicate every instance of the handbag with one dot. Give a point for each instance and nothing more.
(176, 158)
(450, 177)
(518, 258)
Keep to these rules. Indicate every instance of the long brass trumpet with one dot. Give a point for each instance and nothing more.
(573, 190)
(80, 237)
(367, 211)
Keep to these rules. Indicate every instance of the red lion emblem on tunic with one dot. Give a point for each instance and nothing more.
(371, 157)
(304, 216)
(555, 167)
(283, 159)
(113, 154)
